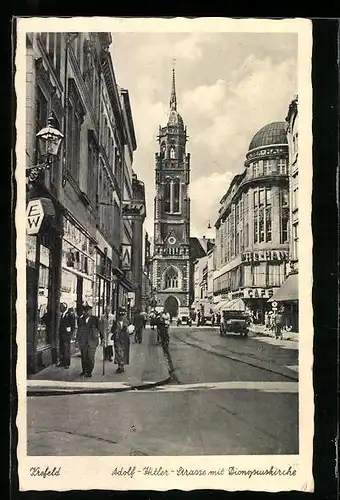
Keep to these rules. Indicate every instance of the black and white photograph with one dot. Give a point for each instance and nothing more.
(164, 254)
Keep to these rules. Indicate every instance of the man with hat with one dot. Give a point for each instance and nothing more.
(67, 325)
(88, 339)
(121, 339)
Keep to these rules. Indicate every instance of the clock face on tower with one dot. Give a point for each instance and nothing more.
(172, 240)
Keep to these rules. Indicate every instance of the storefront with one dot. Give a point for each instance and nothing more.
(43, 250)
(287, 296)
(256, 301)
(78, 267)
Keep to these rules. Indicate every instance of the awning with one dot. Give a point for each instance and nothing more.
(289, 290)
(234, 305)
(217, 307)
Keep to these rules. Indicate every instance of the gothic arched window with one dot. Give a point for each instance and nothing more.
(167, 196)
(171, 278)
(172, 153)
(176, 195)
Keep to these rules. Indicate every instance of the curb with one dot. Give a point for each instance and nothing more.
(266, 334)
(285, 372)
(96, 390)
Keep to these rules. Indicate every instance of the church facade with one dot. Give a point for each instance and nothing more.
(171, 253)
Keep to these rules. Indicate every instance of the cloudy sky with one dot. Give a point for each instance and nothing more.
(228, 86)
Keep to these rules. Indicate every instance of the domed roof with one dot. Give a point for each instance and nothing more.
(175, 119)
(273, 133)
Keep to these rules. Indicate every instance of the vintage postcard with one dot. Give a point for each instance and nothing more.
(164, 254)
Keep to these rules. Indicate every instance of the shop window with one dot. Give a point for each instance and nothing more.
(43, 299)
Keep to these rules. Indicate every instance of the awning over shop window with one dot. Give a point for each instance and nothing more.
(234, 305)
(289, 290)
(230, 305)
(217, 307)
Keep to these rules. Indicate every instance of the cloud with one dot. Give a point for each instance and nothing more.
(187, 47)
(205, 194)
(257, 93)
(203, 99)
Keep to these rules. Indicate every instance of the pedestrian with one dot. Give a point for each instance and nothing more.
(138, 322)
(266, 320)
(105, 325)
(164, 324)
(278, 321)
(121, 340)
(88, 335)
(67, 325)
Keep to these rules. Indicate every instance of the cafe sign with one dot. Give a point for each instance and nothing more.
(265, 255)
(257, 293)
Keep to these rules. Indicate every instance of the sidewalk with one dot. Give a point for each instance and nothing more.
(262, 330)
(148, 368)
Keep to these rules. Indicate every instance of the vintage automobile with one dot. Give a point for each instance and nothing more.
(234, 322)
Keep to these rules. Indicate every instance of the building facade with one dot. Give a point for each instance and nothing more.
(252, 230)
(170, 265)
(288, 294)
(77, 256)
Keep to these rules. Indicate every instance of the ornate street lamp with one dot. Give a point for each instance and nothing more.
(49, 139)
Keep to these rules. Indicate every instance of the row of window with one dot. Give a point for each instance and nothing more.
(172, 193)
(268, 167)
(233, 235)
(261, 274)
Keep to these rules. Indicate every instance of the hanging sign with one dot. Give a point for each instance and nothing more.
(126, 257)
(131, 209)
(36, 212)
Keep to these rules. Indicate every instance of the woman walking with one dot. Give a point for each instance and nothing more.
(106, 322)
(121, 340)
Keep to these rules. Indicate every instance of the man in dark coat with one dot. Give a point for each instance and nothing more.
(138, 322)
(121, 340)
(67, 326)
(88, 339)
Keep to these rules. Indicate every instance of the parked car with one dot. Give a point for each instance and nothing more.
(234, 322)
(184, 320)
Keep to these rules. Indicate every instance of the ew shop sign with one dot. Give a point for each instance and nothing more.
(37, 212)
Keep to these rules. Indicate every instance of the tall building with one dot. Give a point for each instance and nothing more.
(252, 251)
(170, 266)
(75, 256)
(288, 294)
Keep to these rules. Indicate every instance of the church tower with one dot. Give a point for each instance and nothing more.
(170, 268)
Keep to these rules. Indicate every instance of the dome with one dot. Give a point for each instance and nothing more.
(175, 119)
(273, 133)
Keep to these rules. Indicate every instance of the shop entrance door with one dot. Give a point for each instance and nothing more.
(79, 296)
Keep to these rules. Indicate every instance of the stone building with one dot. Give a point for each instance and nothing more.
(76, 257)
(288, 294)
(252, 229)
(170, 265)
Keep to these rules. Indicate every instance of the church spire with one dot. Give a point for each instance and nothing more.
(173, 100)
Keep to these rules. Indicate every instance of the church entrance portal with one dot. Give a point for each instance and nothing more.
(171, 306)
